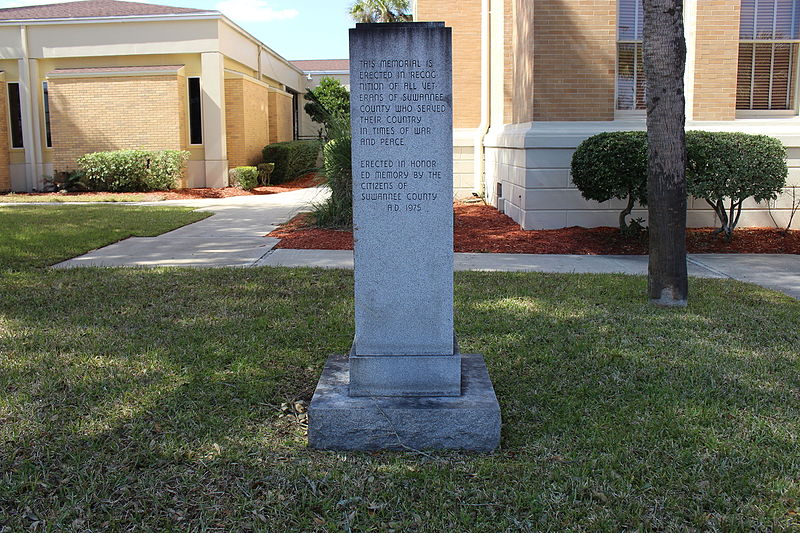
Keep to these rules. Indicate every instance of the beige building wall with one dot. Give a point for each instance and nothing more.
(114, 113)
(464, 16)
(716, 59)
(522, 62)
(574, 63)
(280, 117)
(247, 120)
(5, 142)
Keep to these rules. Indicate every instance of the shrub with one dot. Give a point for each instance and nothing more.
(733, 166)
(337, 211)
(292, 159)
(613, 165)
(264, 172)
(244, 177)
(132, 170)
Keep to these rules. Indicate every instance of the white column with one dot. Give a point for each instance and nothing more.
(212, 84)
(690, 30)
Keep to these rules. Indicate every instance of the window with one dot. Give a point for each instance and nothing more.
(15, 111)
(630, 64)
(768, 46)
(46, 98)
(195, 112)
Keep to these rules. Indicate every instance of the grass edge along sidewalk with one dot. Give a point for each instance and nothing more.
(171, 399)
(40, 236)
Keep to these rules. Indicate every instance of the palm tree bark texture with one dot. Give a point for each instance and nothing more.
(664, 63)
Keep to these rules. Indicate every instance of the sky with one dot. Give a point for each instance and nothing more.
(296, 29)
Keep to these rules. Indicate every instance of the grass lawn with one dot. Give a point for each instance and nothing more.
(70, 198)
(150, 400)
(40, 236)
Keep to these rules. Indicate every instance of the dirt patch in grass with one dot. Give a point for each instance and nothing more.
(309, 180)
(482, 229)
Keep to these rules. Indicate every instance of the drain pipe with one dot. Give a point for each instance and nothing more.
(479, 181)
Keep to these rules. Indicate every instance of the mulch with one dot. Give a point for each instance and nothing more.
(482, 229)
(309, 180)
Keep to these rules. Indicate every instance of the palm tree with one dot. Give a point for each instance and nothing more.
(664, 63)
(381, 11)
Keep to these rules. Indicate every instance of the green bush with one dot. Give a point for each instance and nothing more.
(613, 165)
(292, 159)
(337, 211)
(734, 167)
(264, 172)
(244, 177)
(132, 170)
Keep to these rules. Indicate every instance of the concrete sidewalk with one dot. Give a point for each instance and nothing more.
(774, 271)
(232, 236)
(235, 236)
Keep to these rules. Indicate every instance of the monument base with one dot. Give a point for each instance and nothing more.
(471, 421)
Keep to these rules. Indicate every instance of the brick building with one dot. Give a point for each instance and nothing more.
(314, 70)
(80, 77)
(533, 78)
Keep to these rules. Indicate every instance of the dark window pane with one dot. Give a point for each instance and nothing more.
(48, 137)
(15, 110)
(195, 112)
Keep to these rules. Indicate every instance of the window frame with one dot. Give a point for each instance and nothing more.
(794, 69)
(628, 113)
(48, 130)
(11, 119)
(189, 110)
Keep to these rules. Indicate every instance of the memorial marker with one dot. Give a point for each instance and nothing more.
(404, 384)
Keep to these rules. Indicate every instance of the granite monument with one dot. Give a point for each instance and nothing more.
(404, 384)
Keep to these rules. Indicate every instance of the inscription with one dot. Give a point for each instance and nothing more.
(396, 101)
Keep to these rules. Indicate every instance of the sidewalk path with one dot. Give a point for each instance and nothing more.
(774, 271)
(234, 236)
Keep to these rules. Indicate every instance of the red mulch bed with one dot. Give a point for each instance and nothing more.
(309, 180)
(481, 228)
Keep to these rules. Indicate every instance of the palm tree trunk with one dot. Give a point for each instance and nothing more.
(664, 63)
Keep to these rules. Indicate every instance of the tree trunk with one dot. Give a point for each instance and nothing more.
(664, 63)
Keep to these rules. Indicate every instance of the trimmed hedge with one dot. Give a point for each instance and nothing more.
(244, 177)
(292, 159)
(733, 166)
(613, 165)
(720, 166)
(132, 170)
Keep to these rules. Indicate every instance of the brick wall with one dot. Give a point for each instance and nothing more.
(522, 50)
(574, 59)
(5, 171)
(716, 55)
(464, 16)
(247, 119)
(114, 113)
(281, 127)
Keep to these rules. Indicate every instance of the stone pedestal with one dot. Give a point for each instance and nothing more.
(339, 421)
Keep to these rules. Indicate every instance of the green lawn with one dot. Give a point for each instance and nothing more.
(67, 198)
(150, 400)
(40, 236)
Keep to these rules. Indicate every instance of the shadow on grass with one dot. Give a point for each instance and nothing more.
(151, 399)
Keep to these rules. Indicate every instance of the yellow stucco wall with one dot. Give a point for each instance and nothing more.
(114, 113)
